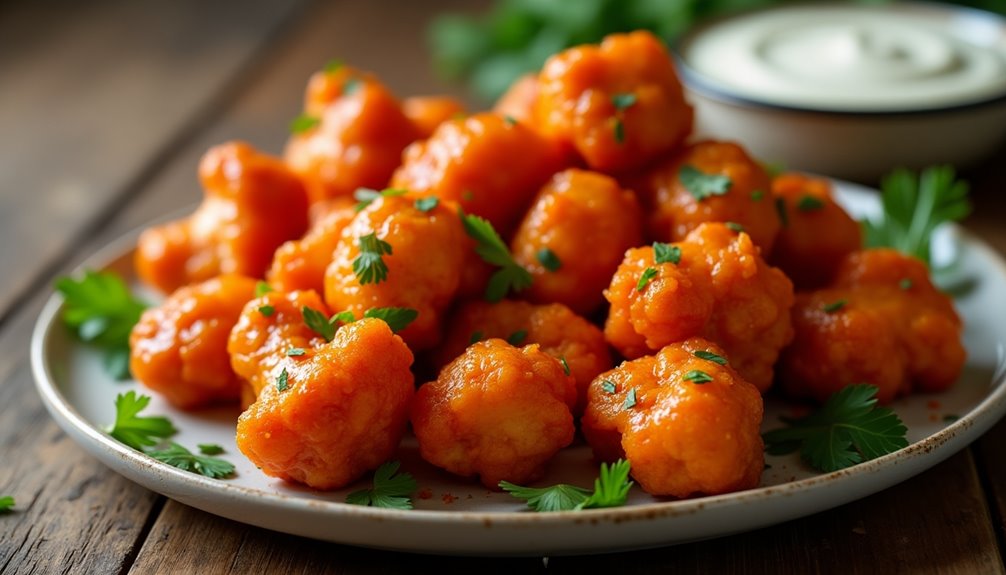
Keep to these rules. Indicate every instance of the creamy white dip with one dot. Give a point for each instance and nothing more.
(854, 57)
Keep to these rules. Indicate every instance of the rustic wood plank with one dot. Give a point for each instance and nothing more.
(92, 93)
(992, 466)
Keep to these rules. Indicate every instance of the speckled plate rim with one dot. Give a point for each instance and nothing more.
(520, 532)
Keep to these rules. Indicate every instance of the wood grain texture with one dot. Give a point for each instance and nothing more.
(95, 92)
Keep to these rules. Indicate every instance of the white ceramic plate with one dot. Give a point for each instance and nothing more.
(458, 517)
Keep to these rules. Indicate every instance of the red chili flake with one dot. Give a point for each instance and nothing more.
(425, 493)
(933, 404)
(448, 498)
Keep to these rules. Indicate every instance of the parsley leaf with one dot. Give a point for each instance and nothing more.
(390, 491)
(834, 306)
(397, 318)
(178, 456)
(809, 203)
(905, 284)
(332, 65)
(644, 279)
(262, 288)
(666, 253)
(351, 86)
(735, 226)
(295, 352)
(320, 324)
(492, 250)
(548, 259)
(608, 386)
(757, 195)
(619, 131)
(710, 356)
(780, 208)
(475, 338)
(283, 381)
(426, 204)
(136, 431)
(6, 503)
(100, 310)
(369, 266)
(365, 196)
(847, 430)
(515, 338)
(611, 489)
(303, 123)
(701, 185)
(698, 377)
(343, 317)
(914, 206)
(623, 101)
(630, 399)
(210, 448)
(565, 364)
(266, 310)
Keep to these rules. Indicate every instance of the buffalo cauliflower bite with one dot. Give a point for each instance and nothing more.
(720, 289)
(356, 139)
(708, 182)
(574, 237)
(816, 234)
(882, 322)
(301, 264)
(496, 411)
(337, 413)
(486, 164)
(179, 348)
(619, 104)
(252, 204)
(553, 327)
(688, 425)
(423, 254)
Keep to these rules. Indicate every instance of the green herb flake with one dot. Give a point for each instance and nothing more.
(6, 504)
(303, 123)
(608, 386)
(475, 338)
(509, 120)
(295, 352)
(698, 377)
(262, 288)
(342, 317)
(366, 196)
(710, 356)
(619, 131)
(516, 338)
(283, 381)
(397, 318)
(623, 100)
(351, 86)
(391, 490)
(630, 399)
(780, 208)
(809, 203)
(369, 266)
(318, 323)
(645, 279)
(426, 204)
(565, 365)
(137, 431)
(266, 310)
(666, 253)
(905, 284)
(490, 247)
(950, 418)
(611, 489)
(757, 195)
(332, 65)
(209, 448)
(701, 185)
(182, 458)
(548, 259)
(834, 306)
(735, 227)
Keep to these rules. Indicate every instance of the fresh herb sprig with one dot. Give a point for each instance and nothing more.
(369, 266)
(914, 206)
(6, 503)
(848, 429)
(100, 309)
(177, 456)
(134, 430)
(391, 490)
(366, 196)
(611, 489)
(490, 247)
(702, 185)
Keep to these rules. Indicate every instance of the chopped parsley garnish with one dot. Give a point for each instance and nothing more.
(809, 204)
(101, 311)
(608, 386)
(134, 430)
(914, 206)
(366, 196)
(734, 226)
(369, 266)
(666, 253)
(611, 489)
(515, 338)
(475, 338)
(342, 317)
(630, 399)
(492, 250)
(509, 120)
(834, 306)
(178, 456)
(698, 377)
(848, 429)
(318, 323)
(645, 279)
(303, 123)
(6, 503)
(950, 418)
(623, 101)
(266, 310)
(780, 208)
(262, 288)
(905, 284)
(209, 448)
(710, 356)
(565, 364)
(283, 381)
(757, 195)
(397, 318)
(426, 204)
(295, 352)
(390, 490)
(351, 86)
(548, 259)
(332, 65)
(619, 131)
(701, 185)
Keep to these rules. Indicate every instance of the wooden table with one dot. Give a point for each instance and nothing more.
(105, 110)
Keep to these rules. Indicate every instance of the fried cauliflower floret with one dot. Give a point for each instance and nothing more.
(489, 166)
(428, 112)
(817, 234)
(269, 326)
(497, 411)
(423, 266)
(619, 104)
(709, 182)
(554, 328)
(301, 264)
(883, 323)
(358, 138)
(342, 412)
(720, 289)
(574, 237)
(687, 425)
(179, 348)
(252, 204)
(518, 101)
